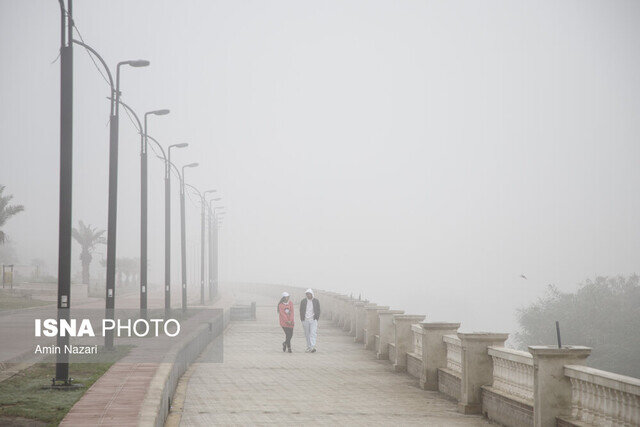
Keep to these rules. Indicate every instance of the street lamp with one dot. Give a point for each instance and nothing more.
(167, 228)
(183, 239)
(143, 211)
(203, 204)
(66, 172)
(113, 180)
(213, 248)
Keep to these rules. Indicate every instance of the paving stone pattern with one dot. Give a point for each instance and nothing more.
(340, 384)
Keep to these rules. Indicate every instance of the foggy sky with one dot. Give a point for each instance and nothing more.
(422, 153)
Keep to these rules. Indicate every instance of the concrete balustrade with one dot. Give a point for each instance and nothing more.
(602, 398)
(386, 334)
(403, 339)
(509, 399)
(450, 377)
(477, 367)
(414, 356)
(372, 325)
(546, 386)
(551, 388)
(434, 351)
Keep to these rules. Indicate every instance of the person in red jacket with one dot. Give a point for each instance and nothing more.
(285, 312)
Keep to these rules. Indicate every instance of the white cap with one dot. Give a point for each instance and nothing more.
(308, 291)
(285, 294)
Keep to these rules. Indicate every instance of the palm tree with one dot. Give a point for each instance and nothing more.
(6, 211)
(88, 237)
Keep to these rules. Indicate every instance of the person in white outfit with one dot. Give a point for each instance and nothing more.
(309, 314)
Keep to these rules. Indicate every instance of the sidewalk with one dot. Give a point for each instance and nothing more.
(340, 384)
(116, 398)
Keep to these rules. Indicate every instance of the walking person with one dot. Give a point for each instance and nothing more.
(285, 313)
(309, 314)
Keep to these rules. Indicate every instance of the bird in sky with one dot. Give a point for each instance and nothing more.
(523, 276)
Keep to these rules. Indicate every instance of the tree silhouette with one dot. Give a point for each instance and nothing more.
(88, 237)
(602, 314)
(6, 211)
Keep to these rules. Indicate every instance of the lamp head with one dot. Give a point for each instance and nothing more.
(217, 199)
(181, 145)
(191, 165)
(138, 63)
(159, 112)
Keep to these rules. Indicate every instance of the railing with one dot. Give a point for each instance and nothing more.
(454, 353)
(603, 398)
(417, 339)
(513, 372)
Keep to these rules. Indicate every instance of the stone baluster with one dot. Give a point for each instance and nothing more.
(403, 338)
(372, 324)
(434, 351)
(551, 388)
(386, 332)
(477, 367)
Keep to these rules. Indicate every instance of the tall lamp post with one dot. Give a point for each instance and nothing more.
(66, 170)
(183, 239)
(112, 218)
(216, 223)
(167, 229)
(210, 238)
(113, 180)
(203, 203)
(143, 211)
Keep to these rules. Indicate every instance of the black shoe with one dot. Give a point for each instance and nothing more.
(284, 347)
(289, 349)
(313, 350)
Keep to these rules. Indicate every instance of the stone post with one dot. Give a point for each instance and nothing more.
(359, 323)
(551, 388)
(342, 311)
(386, 327)
(403, 338)
(348, 315)
(372, 325)
(477, 367)
(357, 304)
(434, 351)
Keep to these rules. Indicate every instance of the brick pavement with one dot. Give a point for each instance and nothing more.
(341, 384)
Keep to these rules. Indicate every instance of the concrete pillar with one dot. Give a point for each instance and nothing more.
(344, 311)
(551, 388)
(434, 351)
(359, 324)
(386, 332)
(372, 325)
(403, 338)
(357, 304)
(477, 367)
(348, 315)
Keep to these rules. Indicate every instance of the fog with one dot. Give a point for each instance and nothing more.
(423, 154)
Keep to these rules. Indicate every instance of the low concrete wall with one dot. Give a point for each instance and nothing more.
(505, 409)
(157, 402)
(449, 383)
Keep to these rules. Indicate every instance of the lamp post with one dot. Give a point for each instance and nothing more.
(113, 180)
(143, 211)
(112, 218)
(214, 239)
(183, 239)
(66, 171)
(203, 204)
(167, 229)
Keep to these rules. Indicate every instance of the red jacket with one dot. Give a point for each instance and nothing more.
(285, 310)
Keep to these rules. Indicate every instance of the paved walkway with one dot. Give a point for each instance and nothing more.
(340, 384)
